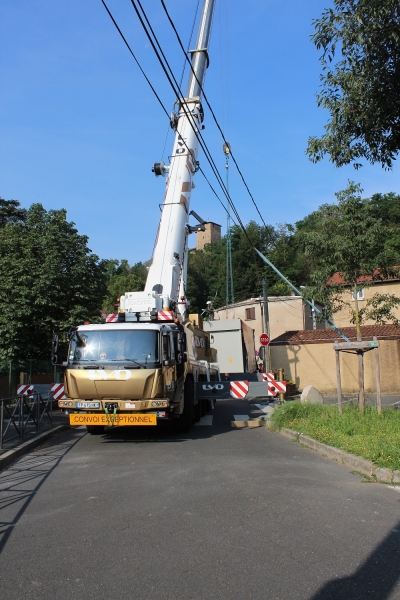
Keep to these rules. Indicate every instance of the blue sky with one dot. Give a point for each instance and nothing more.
(81, 129)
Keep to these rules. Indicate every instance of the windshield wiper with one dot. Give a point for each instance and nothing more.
(130, 360)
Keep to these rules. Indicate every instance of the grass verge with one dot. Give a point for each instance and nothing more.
(372, 436)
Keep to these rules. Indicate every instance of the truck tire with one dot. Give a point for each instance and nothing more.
(95, 429)
(184, 422)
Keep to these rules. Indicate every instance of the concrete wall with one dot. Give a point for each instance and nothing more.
(315, 364)
(286, 313)
(343, 317)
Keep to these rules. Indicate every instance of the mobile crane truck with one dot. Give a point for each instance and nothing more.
(145, 367)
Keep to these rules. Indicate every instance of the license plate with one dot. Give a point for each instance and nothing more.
(88, 405)
(103, 419)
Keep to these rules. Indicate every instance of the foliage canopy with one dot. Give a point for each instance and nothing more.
(50, 280)
(351, 239)
(361, 90)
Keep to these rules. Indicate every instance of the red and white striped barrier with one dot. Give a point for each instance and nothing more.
(165, 315)
(274, 387)
(112, 318)
(239, 389)
(57, 390)
(25, 390)
(268, 376)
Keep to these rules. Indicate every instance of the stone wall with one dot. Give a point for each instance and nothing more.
(315, 364)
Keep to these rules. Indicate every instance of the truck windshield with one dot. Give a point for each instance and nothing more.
(127, 345)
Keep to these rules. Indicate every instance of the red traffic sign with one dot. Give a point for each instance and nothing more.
(264, 339)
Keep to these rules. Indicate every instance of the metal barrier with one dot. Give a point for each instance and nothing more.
(21, 415)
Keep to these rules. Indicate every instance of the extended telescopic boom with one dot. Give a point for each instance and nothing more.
(166, 278)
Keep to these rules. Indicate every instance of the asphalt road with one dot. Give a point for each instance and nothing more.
(218, 513)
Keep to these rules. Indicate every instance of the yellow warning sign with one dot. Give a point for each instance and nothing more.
(118, 419)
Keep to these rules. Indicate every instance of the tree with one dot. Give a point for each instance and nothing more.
(387, 208)
(361, 91)
(49, 281)
(123, 278)
(10, 213)
(348, 238)
(207, 268)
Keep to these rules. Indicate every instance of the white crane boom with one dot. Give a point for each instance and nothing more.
(166, 278)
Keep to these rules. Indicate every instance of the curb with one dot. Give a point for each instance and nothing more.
(357, 463)
(9, 457)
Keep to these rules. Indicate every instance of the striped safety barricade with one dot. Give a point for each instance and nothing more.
(239, 389)
(165, 315)
(112, 318)
(57, 390)
(274, 387)
(25, 389)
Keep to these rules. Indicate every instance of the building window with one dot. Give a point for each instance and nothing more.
(360, 294)
(250, 314)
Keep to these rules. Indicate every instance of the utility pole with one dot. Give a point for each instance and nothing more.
(267, 356)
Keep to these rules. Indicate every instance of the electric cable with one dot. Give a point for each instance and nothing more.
(135, 59)
(183, 70)
(177, 90)
(211, 110)
(200, 138)
(190, 41)
(158, 98)
(202, 143)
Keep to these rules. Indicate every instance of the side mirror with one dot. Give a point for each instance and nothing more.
(261, 352)
(59, 346)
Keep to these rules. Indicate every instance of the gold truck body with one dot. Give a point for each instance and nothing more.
(119, 373)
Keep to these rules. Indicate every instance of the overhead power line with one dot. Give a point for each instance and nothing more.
(177, 91)
(156, 95)
(210, 107)
(135, 59)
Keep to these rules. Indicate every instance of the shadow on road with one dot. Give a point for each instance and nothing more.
(159, 435)
(21, 481)
(375, 578)
(221, 416)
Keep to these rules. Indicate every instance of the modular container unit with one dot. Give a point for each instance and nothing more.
(234, 342)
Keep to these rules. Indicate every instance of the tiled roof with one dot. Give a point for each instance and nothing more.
(337, 278)
(330, 335)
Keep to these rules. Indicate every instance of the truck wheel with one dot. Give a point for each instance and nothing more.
(184, 422)
(95, 429)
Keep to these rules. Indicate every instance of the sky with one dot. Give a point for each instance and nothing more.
(81, 129)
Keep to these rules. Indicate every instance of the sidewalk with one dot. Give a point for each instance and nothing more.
(59, 418)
